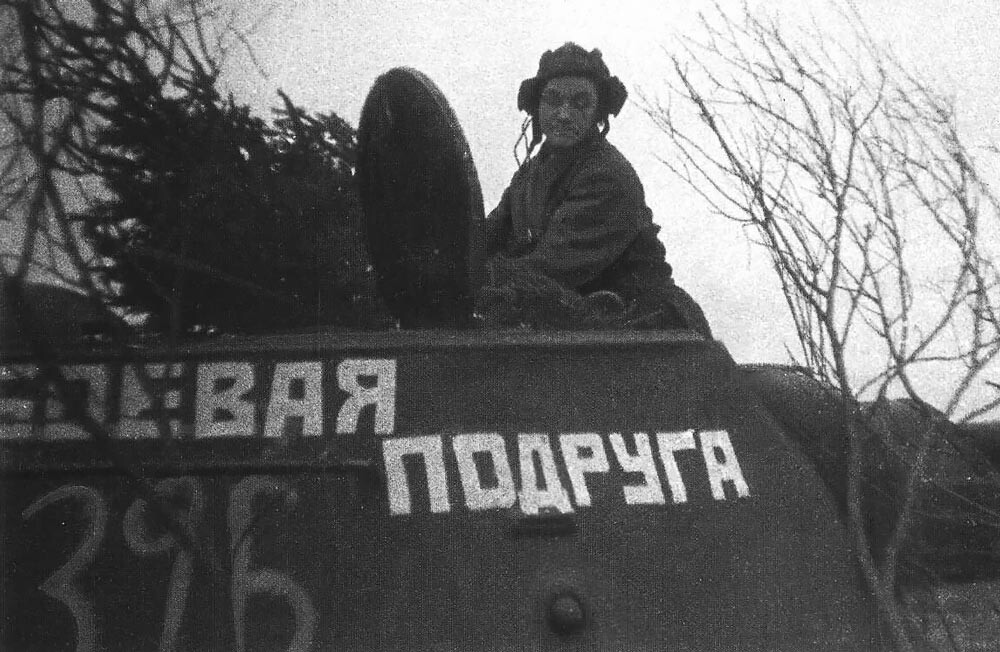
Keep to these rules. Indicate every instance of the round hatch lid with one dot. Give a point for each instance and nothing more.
(422, 203)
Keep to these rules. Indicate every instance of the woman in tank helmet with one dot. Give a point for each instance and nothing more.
(575, 212)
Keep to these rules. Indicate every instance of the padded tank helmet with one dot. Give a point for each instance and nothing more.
(572, 60)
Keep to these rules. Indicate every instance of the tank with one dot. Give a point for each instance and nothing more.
(436, 486)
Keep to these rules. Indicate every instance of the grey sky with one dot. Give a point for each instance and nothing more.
(326, 55)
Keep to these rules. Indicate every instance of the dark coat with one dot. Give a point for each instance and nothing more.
(579, 217)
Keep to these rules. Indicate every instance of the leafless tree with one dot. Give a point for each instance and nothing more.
(854, 176)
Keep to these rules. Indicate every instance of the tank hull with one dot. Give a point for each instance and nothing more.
(417, 490)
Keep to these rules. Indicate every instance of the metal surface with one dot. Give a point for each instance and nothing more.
(422, 202)
(953, 536)
(484, 492)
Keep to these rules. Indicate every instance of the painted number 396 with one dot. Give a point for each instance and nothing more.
(63, 584)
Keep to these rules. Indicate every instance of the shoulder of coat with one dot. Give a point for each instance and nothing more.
(525, 168)
(605, 160)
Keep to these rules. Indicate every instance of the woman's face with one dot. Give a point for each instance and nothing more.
(567, 110)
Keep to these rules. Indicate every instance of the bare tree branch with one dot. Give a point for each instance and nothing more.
(841, 161)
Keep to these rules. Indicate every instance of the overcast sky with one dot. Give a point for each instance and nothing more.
(325, 54)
